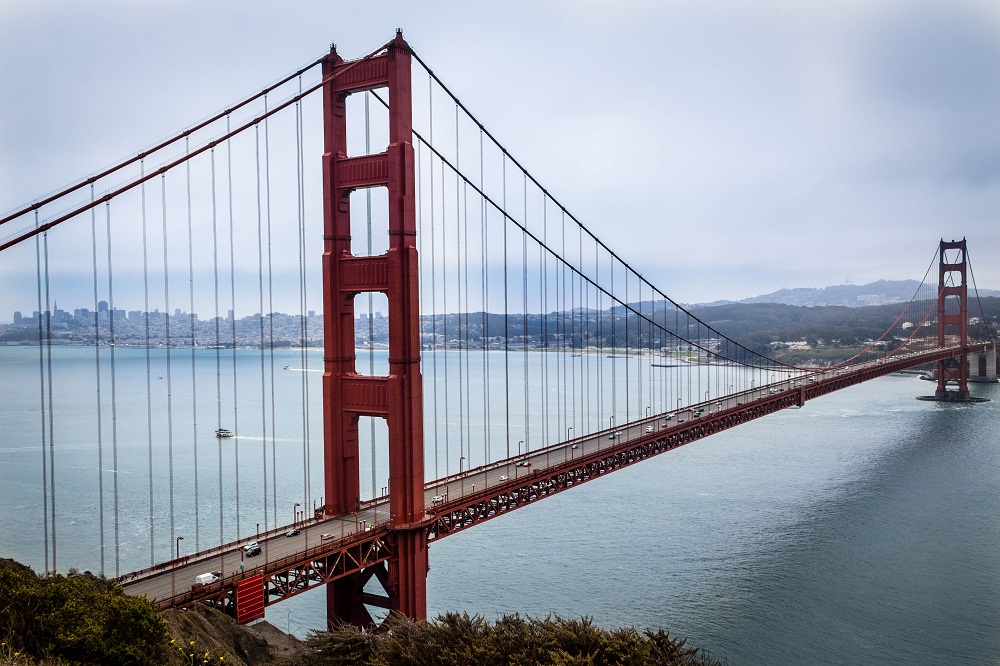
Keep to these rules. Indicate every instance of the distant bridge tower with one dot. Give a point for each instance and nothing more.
(398, 398)
(953, 319)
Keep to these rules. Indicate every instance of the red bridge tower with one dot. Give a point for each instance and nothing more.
(398, 397)
(953, 319)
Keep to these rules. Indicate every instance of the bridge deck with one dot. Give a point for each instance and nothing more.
(330, 547)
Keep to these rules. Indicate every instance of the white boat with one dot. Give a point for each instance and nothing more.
(222, 432)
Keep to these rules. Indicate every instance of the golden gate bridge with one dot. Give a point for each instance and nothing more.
(524, 356)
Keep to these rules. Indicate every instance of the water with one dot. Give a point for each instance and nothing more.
(860, 529)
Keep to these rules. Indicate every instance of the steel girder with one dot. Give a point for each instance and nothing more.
(295, 574)
(467, 511)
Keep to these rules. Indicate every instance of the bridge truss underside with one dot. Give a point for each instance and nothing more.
(363, 554)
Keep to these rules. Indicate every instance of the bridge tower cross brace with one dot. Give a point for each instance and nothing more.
(347, 395)
(952, 307)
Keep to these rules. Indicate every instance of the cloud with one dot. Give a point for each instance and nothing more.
(724, 150)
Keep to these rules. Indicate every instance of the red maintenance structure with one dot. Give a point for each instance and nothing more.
(348, 395)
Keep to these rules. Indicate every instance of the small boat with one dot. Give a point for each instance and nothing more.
(286, 368)
(222, 432)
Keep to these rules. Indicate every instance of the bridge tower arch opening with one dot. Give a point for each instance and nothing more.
(348, 395)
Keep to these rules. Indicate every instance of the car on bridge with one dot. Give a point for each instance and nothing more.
(252, 549)
(292, 532)
(207, 578)
(649, 428)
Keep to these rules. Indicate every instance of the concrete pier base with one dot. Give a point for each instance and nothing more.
(952, 396)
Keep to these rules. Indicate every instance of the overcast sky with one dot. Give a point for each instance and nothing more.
(724, 149)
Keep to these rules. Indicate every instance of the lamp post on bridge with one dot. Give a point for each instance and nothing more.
(519, 446)
(295, 513)
(179, 539)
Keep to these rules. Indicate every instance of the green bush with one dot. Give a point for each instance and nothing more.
(458, 639)
(79, 618)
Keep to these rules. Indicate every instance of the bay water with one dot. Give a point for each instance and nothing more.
(860, 529)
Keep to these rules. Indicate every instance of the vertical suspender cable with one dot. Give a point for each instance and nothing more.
(543, 301)
(524, 315)
(303, 299)
(468, 353)
(444, 312)
(114, 393)
(218, 343)
(166, 307)
(600, 340)
(260, 324)
(41, 395)
(270, 318)
(232, 319)
(434, 345)
(149, 387)
(628, 357)
(97, 382)
(52, 434)
(194, 382)
(614, 347)
(463, 418)
(506, 313)
(485, 332)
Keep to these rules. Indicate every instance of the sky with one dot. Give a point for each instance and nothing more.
(723, 149)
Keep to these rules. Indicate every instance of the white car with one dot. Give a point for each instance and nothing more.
(503, 477)
(649, 428)
(437, 499)
(207, 578)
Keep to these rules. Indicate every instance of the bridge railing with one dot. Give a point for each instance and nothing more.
(286, 563)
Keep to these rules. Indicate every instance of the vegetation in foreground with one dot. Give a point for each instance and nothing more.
(79, 618)
(76, 618)
(459, 640)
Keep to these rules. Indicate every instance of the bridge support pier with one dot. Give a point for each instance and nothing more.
(347, 395)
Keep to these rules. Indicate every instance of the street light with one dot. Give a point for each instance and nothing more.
(519, 447)
(568, 431)
(647, 411)
(295, 513)
(179, 539)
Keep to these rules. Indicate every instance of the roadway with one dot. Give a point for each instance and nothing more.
(175, 578)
